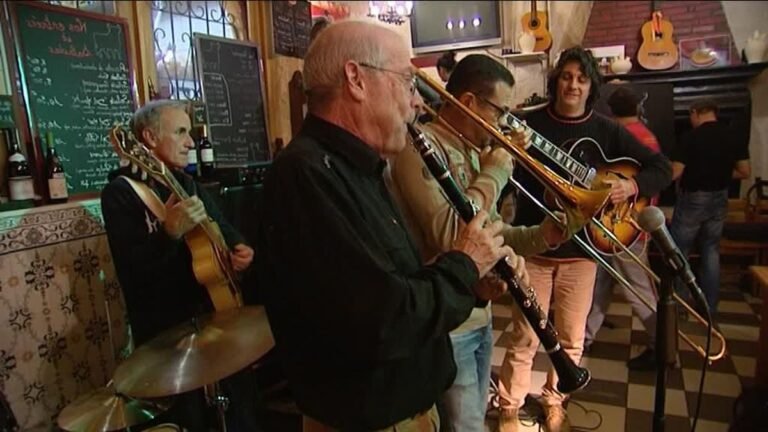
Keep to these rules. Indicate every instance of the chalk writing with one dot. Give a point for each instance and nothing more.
(6, 112)
(80, 87)
(291, 24)
(234, 100)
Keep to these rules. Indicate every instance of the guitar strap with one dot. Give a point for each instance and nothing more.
(150, 198)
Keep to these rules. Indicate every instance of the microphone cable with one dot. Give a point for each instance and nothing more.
(703, 366)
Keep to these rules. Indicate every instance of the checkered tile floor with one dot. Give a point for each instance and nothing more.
(620, 400)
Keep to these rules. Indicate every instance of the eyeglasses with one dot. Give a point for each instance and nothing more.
(411, 78)
(502, 110)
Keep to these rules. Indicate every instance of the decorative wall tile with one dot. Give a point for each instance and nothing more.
(62, 317)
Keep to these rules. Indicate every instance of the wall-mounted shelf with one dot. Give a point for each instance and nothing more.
(728, 85)
(520, 57)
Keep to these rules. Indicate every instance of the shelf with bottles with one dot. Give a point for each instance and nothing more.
(56, 178)
(18, 173)
(30, 185)
(201, 159)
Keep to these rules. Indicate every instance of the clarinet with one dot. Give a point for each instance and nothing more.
(571, 376)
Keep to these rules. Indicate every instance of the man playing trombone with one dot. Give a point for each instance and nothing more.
(566, 276)
(484, 86)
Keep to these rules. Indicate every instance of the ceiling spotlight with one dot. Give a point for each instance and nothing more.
(461, 24)
(476, 22)
(449, 25)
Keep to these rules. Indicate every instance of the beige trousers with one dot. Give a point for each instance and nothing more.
(571, 284)
(428, 421)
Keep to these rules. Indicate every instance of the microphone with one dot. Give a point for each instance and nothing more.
(652, 221)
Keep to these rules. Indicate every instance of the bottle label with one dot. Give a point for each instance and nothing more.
(192, 157)
(57, 186)
(206, 155)
(16, 157)
(21, 188)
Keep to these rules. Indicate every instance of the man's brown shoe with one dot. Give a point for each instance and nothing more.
(556, 419)
(508, 421)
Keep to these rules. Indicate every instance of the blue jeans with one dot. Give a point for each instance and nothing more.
(463, 405)
(700, 216)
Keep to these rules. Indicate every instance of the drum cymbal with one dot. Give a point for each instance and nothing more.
(104, 410)
(191, 356)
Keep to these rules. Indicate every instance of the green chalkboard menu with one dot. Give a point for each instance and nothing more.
(291, 25)
(77, 74)
(231, 72)
(6, 112)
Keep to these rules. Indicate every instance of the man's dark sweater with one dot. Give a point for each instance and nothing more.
(155, 271)
(655, 173)
(360, 325)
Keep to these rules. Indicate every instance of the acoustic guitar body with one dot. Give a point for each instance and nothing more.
(619, 219)
(212, 268)
(536, 23)
(657, 52)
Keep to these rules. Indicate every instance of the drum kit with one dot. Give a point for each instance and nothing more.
(193, 355)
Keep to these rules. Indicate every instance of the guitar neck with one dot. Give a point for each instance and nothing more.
(175, 187)
(574, 168)
(533, 8)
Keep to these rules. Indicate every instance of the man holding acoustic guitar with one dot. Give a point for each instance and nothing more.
(147, 224)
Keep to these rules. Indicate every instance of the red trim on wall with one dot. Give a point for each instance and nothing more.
(429, 60)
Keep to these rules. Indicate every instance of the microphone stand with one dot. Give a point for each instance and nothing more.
(666, 344)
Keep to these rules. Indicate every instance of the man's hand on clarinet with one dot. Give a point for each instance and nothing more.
(491, 287)
(483, 244)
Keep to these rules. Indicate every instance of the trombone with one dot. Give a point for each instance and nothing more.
(587, 201)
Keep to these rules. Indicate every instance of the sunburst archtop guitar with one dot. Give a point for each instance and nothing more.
(210, 254)
(583, 162)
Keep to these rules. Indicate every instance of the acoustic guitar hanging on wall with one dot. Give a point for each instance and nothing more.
(535, 22)
(658, 51)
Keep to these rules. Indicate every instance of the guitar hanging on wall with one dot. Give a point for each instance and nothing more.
(535, 22)
(658, 50)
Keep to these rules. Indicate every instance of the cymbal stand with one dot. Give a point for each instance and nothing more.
(218, 400)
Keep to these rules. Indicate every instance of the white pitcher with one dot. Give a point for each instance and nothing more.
(620, 65)
(755, 48)
(527, 42)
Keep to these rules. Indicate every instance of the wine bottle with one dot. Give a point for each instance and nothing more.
(207, 163)
(20, 185)
(191, 167)
(57, 181)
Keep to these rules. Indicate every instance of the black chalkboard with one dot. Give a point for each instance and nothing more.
(78, 85)
(6, 112)
(291, 24)
(233, 91)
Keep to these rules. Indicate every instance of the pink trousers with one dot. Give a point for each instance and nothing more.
(567, 285)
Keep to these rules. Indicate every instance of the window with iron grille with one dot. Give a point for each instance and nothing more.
(173, 25)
